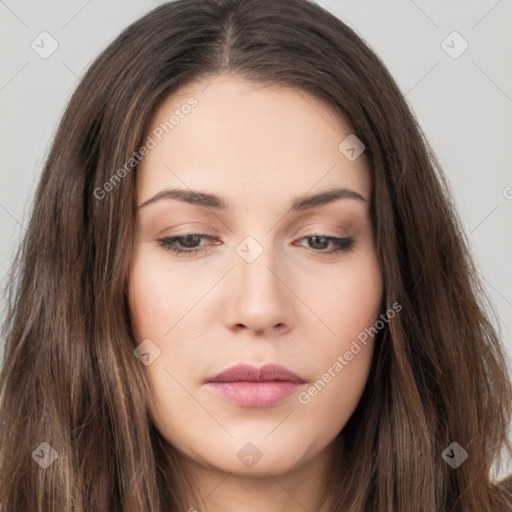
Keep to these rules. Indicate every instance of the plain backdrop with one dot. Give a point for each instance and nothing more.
(452, 60)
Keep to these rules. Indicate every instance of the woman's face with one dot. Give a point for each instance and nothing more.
(264, 285)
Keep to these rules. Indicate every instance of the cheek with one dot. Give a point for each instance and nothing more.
(351, 299)
(160, 293)
(343, 359)
(159, 298)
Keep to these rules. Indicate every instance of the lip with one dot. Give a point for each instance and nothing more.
(248, 386)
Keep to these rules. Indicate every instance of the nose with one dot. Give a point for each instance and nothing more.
(259, 298)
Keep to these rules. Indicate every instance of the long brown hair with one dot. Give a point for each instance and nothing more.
(70, 378)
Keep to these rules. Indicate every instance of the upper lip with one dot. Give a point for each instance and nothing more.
(248, 373)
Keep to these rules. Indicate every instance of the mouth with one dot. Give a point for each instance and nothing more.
(248, 386)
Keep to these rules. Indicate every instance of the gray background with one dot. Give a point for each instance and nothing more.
(463, 104)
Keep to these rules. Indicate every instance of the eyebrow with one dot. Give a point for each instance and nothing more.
(218, 203)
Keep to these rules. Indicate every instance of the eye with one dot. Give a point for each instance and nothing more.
(321, 241)
(190, 243)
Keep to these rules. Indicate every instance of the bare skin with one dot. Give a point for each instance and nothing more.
(295, 305)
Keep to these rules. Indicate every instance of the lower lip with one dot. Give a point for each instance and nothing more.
(255, 394)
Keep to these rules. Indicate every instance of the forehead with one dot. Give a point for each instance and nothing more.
(251, 137)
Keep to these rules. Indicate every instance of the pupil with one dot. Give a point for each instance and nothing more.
(316, 238)
(190, 238)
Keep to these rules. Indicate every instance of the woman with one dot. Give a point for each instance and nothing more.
(244, 286)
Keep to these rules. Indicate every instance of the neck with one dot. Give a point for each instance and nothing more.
(299, 489)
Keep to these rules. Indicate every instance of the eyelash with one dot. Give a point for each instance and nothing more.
(342, 244)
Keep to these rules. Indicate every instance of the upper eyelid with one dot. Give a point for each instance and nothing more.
(349, 227)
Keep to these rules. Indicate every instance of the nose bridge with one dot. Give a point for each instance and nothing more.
(256, 258)
(260, 300)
